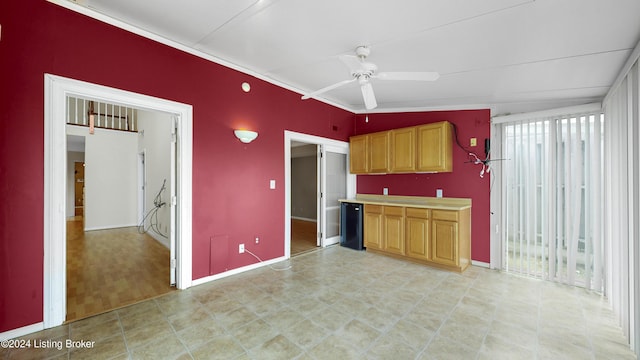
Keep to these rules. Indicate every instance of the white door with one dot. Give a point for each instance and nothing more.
(333, 186)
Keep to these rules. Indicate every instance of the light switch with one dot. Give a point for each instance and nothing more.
(473, 142)
(272, 184)
(439, 193)
(385, 191)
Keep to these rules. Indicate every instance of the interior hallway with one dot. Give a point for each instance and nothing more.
(109, 269)
(303, 236)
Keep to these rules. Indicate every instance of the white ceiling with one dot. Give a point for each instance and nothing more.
(507, 55)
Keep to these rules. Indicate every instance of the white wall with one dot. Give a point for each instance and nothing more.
(155, 141)
(110, 177)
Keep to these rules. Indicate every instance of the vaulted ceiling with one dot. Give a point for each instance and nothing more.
(507, 55)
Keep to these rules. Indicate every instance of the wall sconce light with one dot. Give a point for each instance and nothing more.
(246, 136)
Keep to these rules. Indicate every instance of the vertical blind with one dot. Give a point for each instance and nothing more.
(553, 177)
(622, 112)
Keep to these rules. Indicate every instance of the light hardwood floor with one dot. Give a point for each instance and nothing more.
(303, 236)
(109, 269)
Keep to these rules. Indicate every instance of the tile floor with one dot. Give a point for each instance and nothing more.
(339, 303)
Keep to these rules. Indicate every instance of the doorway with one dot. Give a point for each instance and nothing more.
(119, 256)
(332, 182)
(57, 90)
(305, 166)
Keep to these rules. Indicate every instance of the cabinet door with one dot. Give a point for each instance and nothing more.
(358, 154)
(393, 229)
(444, 241)
(373, 226)
(403, 150)
(379, 152)
(417, 234)
(435, 147)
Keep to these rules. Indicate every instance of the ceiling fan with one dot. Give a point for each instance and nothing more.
(364, 71)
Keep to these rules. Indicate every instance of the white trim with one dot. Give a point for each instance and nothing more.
(480, 264)
(25, 330)
(592, 107)
(496, 199)
(236, 271)
(452, 107)
(329, 144)
(107, 227)
(56, 90)
(159, 238)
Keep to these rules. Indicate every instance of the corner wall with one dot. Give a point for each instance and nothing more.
(463, 182)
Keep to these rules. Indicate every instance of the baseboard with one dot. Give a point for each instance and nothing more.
(159, 238)
(303, 218)
(109, 227)
(25, 330)
(239, 270)
(480, 264)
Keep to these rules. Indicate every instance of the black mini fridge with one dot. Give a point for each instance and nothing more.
(351, 225)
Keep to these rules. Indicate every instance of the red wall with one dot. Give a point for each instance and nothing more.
(464, 181)
(231, 198)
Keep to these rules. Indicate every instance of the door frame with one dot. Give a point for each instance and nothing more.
(56, 90)
(290, 136)
(142, 184)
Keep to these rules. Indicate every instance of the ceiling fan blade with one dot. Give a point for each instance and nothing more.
(414, 76)
(368, 96)
(325, 89)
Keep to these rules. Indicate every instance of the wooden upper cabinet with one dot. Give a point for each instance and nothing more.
(424, 148)
(379, 152)
(402, 150)
(435, 148)
(359, 154)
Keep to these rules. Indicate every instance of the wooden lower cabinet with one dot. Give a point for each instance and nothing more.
(444, 242)
(440, 238)
(393, 229)
(417, 233)
(373, 226)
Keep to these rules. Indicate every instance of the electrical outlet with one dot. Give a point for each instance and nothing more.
(257, 240)
(241, 248)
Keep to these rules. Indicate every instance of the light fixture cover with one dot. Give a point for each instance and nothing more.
(246, 136)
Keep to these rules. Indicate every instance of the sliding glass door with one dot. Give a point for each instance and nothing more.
(552, 180)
